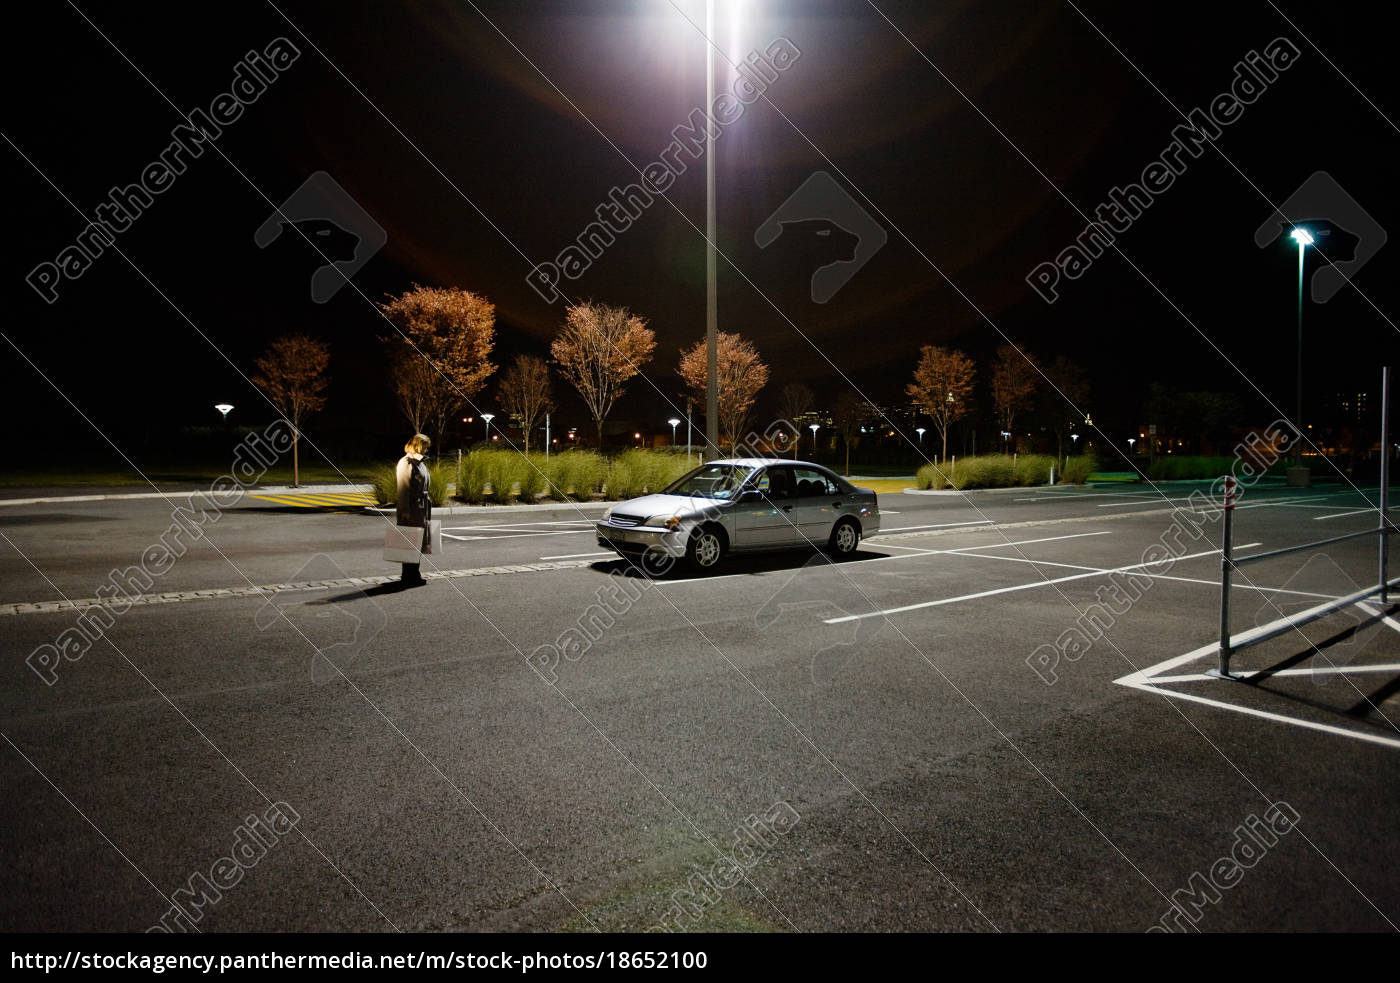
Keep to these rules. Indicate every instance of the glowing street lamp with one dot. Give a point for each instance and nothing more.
(1131, 442)
(1074, 440)
(488, 417)
(814, 428)
(224, 408)
(1006, 441)
(920, 432)
(674, 422)
(1304, 239)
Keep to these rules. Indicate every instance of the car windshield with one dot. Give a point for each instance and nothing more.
(711, 481)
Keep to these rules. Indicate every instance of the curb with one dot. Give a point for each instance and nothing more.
(185, 493)
(546, 509)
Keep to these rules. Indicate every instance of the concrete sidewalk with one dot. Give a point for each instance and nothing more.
(181, 492)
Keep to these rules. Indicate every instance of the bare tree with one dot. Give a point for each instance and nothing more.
(416, 386)
(942, 387)
(452, 331)
(1066, 397)
(848, 415)
(742, 373)
(1015, 376)
(794, 401)
(291, 373)
(597, 350)
(525, 392)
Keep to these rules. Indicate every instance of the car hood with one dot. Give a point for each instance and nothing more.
(682, 505)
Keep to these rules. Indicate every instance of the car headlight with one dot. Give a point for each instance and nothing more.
(607, 515)
(663, 521)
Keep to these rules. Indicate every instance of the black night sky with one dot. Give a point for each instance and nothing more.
(482, 137)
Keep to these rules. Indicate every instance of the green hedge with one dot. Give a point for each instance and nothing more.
(636, 473)
(384, 482)
(933, 476)
(507, 476)
(1078, 467)
(576, 474)
(1004, 471)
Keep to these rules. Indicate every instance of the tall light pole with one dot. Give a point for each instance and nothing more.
(711, 274)
(814, 428)
(947, 421)
(1304, 239)
(488, 417)
(920, 432)
(674, 422)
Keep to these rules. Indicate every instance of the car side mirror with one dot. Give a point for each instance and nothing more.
(751, 495)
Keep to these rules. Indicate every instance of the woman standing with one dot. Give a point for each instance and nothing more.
(415, 504)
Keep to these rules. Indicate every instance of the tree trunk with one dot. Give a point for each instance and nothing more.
(600, 436)
(296, 439)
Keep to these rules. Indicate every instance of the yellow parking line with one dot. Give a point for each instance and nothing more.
(318, 501)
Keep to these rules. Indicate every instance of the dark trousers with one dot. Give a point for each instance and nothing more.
(410, 573)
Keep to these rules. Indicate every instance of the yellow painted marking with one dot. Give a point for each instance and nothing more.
(312, 500)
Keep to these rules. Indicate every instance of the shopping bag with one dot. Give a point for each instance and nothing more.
(432, 540)
(409, 544)
(403, 544)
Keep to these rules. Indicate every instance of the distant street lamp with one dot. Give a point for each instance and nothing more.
(223, 408)
(1074, 440)
(1131, 442)
(814, 428)
(674, 422)
(488, 417)
(920, 432)
(1304, 239)
(1006, 441)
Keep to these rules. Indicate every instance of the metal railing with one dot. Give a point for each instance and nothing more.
(1228, 563)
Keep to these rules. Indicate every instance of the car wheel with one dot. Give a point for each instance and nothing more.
(844, 538)
(705, 549)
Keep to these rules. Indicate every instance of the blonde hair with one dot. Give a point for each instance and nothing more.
(417, 444)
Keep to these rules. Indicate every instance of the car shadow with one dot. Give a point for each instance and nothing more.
(736, 564)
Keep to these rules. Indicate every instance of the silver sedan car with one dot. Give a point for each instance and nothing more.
(742, 505)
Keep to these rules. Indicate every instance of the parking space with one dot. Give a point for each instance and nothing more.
(996, 713)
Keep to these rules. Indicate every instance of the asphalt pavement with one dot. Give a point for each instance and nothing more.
(996, 716)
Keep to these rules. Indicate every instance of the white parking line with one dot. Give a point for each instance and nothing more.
(1262, 714)
(1020, 587)
(1205, 677)
(1148, 681)
(577, 556)
(1150, 501)
(937, 525)
(1157, 576)
(1056, 496)
(1340, 515)
(515, 535)
(1027, 542)
(517, 526)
